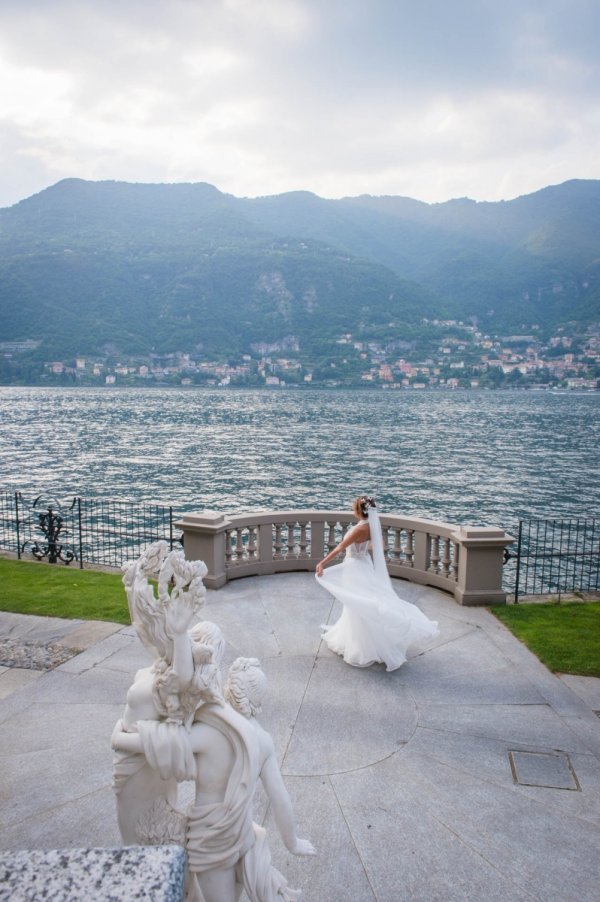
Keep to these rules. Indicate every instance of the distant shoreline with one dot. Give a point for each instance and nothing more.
(433, 389)
(272, 389)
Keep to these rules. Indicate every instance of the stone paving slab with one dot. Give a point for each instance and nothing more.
(587, 688)
(338, 874)
(409, 851)
(12, 679)
(403, 781)
(77, 820)
(333, 701)
(287, 678)
(510, 723)
(90, 632)
(34, 628)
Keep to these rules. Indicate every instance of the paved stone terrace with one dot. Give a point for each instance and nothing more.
(471, 773)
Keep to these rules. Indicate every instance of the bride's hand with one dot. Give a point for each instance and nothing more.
(319, 569)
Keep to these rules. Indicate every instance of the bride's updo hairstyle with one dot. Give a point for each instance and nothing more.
(363, 503)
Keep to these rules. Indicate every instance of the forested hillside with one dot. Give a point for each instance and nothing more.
(533, 259)
(165, 267)
(90, 265)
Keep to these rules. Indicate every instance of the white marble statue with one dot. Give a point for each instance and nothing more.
(177, 726)
(185, 672)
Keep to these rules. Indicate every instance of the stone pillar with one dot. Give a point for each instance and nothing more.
(204, 540)
(317, 542)
(481, 553)
(421, 542)
(265, 544)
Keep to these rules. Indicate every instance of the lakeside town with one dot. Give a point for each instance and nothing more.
(449, 355)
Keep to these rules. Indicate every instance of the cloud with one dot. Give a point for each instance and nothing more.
(428, 99)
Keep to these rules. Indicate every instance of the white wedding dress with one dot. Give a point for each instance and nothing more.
(376, 626)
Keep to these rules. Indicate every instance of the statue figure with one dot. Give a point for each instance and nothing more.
(177, 726)
(244, 691)
(185, 672)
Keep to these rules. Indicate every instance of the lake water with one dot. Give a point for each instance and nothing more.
(464, 457)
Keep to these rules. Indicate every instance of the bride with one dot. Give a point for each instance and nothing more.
(376, 625)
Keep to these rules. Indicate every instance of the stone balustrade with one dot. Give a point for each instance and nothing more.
(465, 561)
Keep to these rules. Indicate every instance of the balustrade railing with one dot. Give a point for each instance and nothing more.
(280, 538)
(466, 561)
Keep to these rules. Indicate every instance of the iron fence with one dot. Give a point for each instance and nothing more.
(95, 531)
(554, 557)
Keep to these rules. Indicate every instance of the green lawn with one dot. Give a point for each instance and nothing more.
(566, 636)
(52, 590)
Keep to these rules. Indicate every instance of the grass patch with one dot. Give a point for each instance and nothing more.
(565, 637)
(54, 591)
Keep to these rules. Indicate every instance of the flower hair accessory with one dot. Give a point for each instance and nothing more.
(365, 503)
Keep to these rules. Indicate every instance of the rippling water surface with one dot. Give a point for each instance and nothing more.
(466, 457)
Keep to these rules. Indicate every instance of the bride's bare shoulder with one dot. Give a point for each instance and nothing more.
(361, 532)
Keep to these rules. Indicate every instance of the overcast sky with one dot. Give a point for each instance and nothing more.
(431, 99)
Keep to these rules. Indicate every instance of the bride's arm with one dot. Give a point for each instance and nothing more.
(358, 533)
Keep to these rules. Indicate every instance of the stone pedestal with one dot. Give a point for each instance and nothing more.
(204, 540)
(481, 552)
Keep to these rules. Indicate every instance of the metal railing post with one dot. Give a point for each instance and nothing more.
(17, 524)
(80, 534)
(518, 573)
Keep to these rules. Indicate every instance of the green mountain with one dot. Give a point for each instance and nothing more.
(86, 266)
(170, 267)
(533, 259)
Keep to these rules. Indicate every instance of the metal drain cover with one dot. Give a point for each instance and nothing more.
(552, 770)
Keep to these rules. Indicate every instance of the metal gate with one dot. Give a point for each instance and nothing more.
(93, 530)
(555, 557)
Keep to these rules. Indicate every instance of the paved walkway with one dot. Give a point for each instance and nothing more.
(472, 773)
